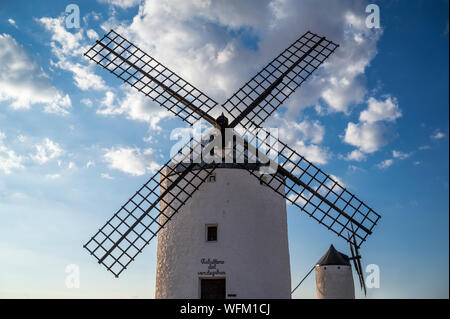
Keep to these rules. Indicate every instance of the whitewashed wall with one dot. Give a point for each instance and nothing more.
(252, 240)
(334, 282)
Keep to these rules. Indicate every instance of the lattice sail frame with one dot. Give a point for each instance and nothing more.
(144, 73)
(356, 258)
(294, 65)
(136, 223)
(307, 186)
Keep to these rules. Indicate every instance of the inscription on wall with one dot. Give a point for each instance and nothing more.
(213, 270)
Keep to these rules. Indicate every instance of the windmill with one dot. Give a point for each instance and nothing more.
(183, 181)
(334, 278)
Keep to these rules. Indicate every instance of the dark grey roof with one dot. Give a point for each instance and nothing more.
(333, 257)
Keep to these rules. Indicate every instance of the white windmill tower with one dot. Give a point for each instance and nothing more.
(222, 244)
(222, 224)
(334, 278)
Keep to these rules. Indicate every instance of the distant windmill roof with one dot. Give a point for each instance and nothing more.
(333, 257)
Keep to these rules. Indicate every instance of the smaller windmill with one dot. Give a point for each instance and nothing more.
(334, 277)
(156, 206)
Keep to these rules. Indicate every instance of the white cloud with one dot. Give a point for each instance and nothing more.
(355, 169)
(9, 160)
(139, 107)
(396, 155)
(340, 94)
(63, 41)
(424, 147)
(385, 164)
(90, 164)
(400, 155)
(106, 176)
(83, 75)
(23, 83)
(91, 16)
(192, 50)
(438, 135)
(59, 106)
(312, 152)
(368, 137)
(107, 105)
(52, 176)
(92, 34)
(386, 110)
(341, 84)
(86, 102)
(297, 199)
(124, 4)
(135, 106)
(370, 134)
(129, 160)
(67, 48)
(355, 155)
(290, 131)
(13, 23)
(188, 48)
(304, 136)
(46, 151)
(336, 179)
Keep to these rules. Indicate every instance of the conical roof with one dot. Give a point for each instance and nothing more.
(333, 257)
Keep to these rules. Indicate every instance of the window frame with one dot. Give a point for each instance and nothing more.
(207, 226)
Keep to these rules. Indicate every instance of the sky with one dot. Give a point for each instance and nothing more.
(75, 143)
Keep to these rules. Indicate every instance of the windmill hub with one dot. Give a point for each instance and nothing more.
(222, 120)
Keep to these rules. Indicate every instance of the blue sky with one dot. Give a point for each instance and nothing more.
(75, 143)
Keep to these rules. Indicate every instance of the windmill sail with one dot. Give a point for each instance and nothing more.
(356, 258)
(306, 186)
(310, 189)
(135, 67)
(135, 224)
(251, 105)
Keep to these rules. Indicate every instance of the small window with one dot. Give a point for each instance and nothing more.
(211, 232)
(211, 178)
